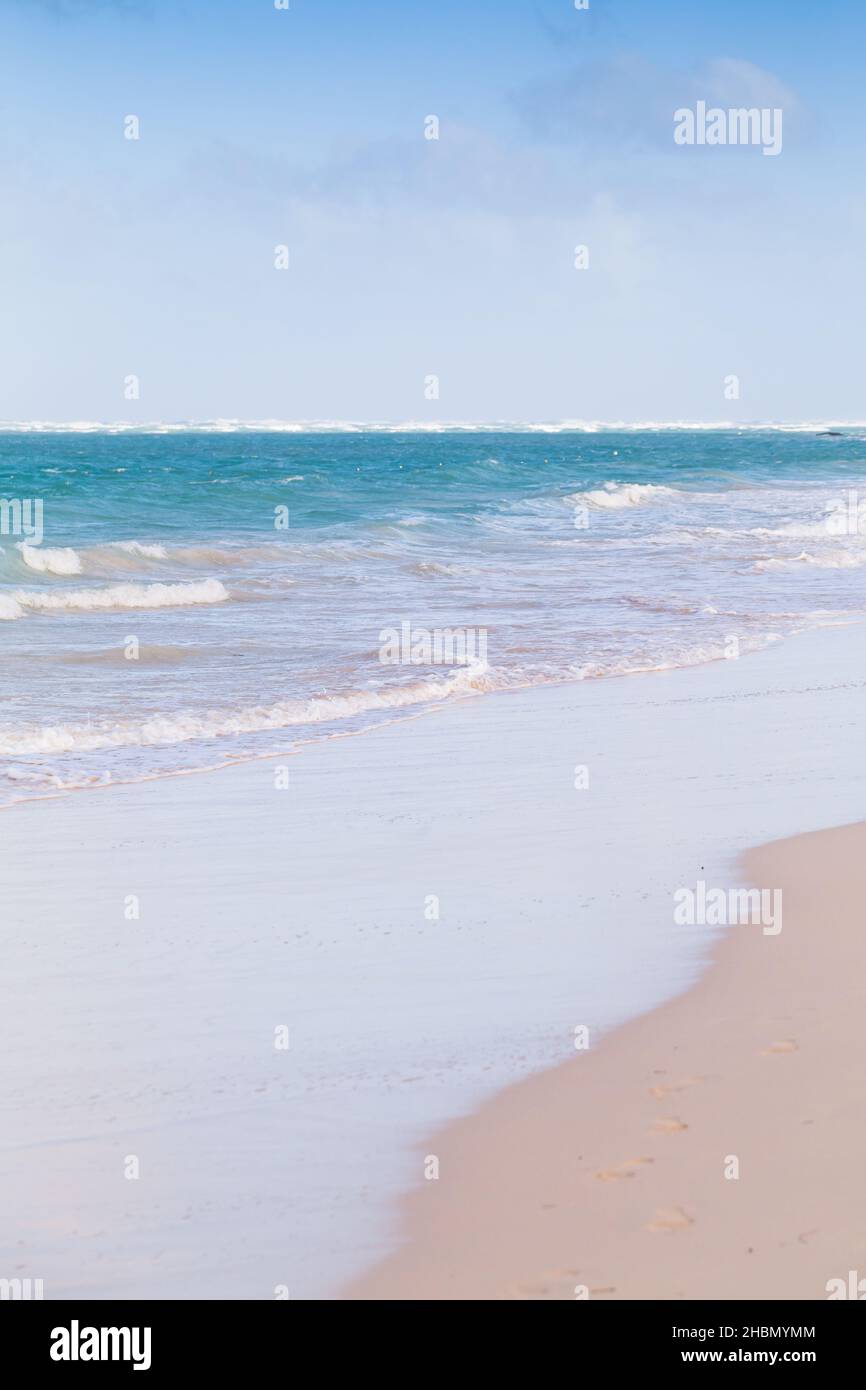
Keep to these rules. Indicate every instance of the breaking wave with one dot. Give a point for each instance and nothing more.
(45, 561)
(116, 596)
(182, 726)
(826, 560)
(613, 496)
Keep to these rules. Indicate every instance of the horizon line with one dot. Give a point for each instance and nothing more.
(273, 426)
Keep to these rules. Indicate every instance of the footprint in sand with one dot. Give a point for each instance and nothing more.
(622, 1170)
(558, 1284)
(670, 1219)
(670, 1125)
(786, 1045)
(659, 1091)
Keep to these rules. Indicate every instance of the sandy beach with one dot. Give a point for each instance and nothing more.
(713, 1149)
(433, 652)
(270, 907)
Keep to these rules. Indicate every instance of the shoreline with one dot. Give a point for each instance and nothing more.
(711, 1149)
(299, 745)
(304, 907)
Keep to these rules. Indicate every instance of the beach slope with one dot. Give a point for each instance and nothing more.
(711, 1149)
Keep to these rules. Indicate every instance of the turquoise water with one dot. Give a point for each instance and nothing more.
(169, 619)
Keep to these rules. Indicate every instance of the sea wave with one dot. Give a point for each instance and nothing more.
(9, 609)
(440, 567)
(612, 496)
(47, 778)
(149, 552)
(182, 726)
(116, 596)
(132, 556)
(828, 529)
(138, 555)
(110, 551)
(45, 561)
(825, 560)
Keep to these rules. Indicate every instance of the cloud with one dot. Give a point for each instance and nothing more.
(627, 102)
(735, 82)
(464, 169)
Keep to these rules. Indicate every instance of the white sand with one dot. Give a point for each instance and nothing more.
(306, 907)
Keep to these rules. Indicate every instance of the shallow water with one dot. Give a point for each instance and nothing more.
(198, 597)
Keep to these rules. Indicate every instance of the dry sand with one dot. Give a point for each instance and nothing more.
(608, 1173)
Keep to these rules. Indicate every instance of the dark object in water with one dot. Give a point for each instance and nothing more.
(829, 434)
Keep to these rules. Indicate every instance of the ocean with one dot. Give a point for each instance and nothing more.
(192, 596)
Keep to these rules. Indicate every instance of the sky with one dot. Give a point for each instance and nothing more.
(412, 258)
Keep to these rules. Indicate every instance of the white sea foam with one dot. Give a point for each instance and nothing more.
(125, 555)
(117, 557)
(9, 608)
(419, 426)
(826, 560)
(802, 530)
(149, 552)
(41, 778)
(116, 596)
(133, 556)
(438, 567)
(136, 555)
(613, 496)
(182, 726)
(61, 561)
(694, 655)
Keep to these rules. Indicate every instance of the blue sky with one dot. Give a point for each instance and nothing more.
(409, 257)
